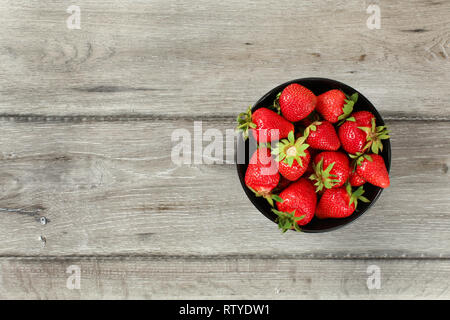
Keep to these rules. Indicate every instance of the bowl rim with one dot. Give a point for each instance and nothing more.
(270, 215)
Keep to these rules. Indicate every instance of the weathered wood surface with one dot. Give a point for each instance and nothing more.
(86, 118)
(171, 57)
(111, 188)
(223, 278)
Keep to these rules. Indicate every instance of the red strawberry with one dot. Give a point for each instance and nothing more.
(339, 203)
(355, 180)
(293, 157)
(265, 124)
(363, 118)
(321, 135)
(298, 205)
(296, 102)
(371, 167)
(333, 105)
(359, 133)
(331, 170)
(295, 171)
(262, 175)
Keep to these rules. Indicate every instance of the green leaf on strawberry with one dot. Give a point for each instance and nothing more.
(323, 178)
(287, 220)
(311, 127)
(374, 136)
(356, 195)
(276, 104)
(264, 145)
(290, 150)
(244, 120)
(347, 109)
(354, 97)
(269, 197)
(358, 158)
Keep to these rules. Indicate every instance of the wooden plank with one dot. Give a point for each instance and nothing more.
(173, 58)
(222, 278)
(111, 188)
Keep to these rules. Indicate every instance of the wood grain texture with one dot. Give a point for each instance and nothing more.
(223, 278)
(169, 57)
(111, 188)
(86, 118)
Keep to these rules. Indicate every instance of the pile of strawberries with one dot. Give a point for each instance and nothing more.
(314, 155)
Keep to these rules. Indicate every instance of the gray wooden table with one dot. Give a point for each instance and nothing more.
(86, 118)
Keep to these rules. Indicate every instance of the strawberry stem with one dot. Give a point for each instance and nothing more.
(311, 127)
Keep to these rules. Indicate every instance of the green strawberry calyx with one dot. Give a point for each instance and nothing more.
(270, 197)
(347, 109)
(263, 145)
(356, 195)
(288, 150)
(276, 104)
(311, 127)
(322, 177)
(244, 120)
(287, 220)
(358, 159)
(374, 136)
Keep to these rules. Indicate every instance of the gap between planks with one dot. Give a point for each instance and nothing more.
(225, 257)
(158, 117)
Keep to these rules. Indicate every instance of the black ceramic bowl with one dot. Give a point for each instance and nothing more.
(318, 86)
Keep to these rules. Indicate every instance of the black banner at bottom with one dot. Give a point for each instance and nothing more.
(219, 309)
